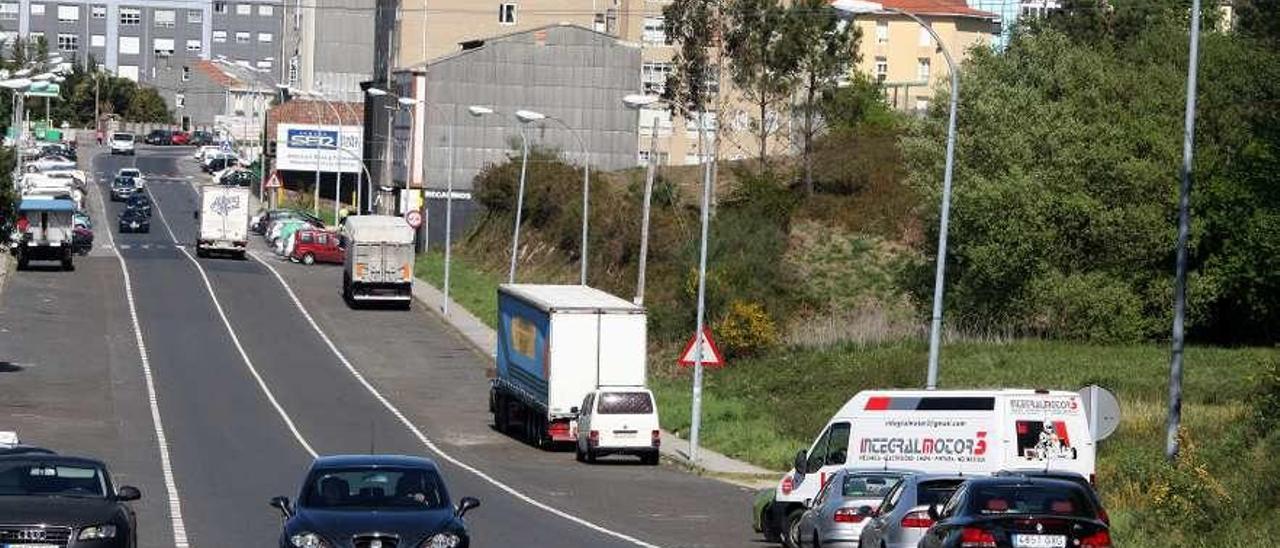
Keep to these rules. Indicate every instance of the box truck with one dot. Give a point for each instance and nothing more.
(378, 260)
(556, 344)
(224, 220)
(45, 231)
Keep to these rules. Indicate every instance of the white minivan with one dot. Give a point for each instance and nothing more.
(122, 143)
(619, 420)
(976, 432)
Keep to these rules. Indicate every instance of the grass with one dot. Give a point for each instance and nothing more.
(473, 288)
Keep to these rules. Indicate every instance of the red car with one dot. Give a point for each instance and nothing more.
(180, 138)
(310, 246)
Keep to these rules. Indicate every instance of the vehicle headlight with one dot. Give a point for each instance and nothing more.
(98, 532)
(442, 540)
(308, 540)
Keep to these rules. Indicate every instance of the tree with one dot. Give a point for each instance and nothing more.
(146, 105)
(695, 27)
(824, 50)
(761, 64)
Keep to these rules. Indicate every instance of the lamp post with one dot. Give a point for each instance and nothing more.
(524, 117)
(586, 185)
(337, 192)
(935, 330)
(638, 102)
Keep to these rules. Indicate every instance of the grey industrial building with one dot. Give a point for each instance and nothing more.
(568, 72)
(328, 45)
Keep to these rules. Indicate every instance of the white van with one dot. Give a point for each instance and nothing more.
(122, 143)
(619, 420)
(977, 432)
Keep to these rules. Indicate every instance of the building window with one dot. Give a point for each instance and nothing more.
(882, 32)
(195, 16)
(294, 68)
(220, 36)
(37, 9)
(163, 47)
(98, 41)
(69, 42)
(507, 14)
(186, 74)
(653, 76)
(98, 12)
(882, 68)
(194, 46)
(219, 6)
(130, 45)
(266, 10)
(244, 9)
(925, 38)
(130, 16)
(9, 11)
(165, 18)
(68, 14)
(242, 38)
(127, 71)
(655, 30)
(922, 68)
(691, 123)
(922, 104)
(179, 100)
(265, 37)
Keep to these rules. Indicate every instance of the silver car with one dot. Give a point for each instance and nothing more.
(904, 517)
(843, 506)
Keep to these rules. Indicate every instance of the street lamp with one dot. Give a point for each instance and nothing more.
(315, 205)
(524, 116)
(935, 331)
(638, 102)
(529, 116)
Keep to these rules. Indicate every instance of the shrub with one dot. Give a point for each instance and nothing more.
(1091, 306)
(746, 330)
(1185, 492)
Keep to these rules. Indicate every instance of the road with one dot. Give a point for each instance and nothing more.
(258, 365)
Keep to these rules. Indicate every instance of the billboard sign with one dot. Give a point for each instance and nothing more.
(303, 147)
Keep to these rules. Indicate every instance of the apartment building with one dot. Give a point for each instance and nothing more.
(329, 45)
(138, 40)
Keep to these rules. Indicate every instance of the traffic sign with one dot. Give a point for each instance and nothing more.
(711, 356)
(414, 218)
(274, 180)
(1102, 409)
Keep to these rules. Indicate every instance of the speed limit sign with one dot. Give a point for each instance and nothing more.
(414, 218)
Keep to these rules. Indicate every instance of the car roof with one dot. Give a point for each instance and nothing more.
(53, 459)
(6, 450)
(1023, 480)
(354, 461)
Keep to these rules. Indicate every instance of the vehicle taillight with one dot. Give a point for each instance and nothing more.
(973, 537)
(1101, 539)
(593, 439)
(404, 273)
(656, 438)
(787, 485)
(918, 520)
(360, 270)
(847, 515)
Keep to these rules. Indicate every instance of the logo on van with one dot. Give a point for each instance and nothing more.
(1052, 407)
(224, 204)
(925, 448)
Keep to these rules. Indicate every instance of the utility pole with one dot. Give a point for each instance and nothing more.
(698, 349)
(1184, 228)
(649, 176)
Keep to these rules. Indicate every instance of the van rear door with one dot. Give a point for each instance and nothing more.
(1048, 432)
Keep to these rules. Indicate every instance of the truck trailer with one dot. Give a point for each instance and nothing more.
(224, 220)
(378, 264)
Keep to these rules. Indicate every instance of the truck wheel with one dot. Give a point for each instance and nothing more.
(500, 413)
(200, 252)
(308, 259)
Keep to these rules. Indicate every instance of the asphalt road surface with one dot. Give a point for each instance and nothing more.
(258, 365)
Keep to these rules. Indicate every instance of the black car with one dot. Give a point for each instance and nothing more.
(139, 202)
(214, 165)
(237, 177)
(1017, 511)
(1064, 475)
(54, 500)
(200, 138)
(132, 220)
(159, 137)
(374, 500)
(20, 449)
(122, 188)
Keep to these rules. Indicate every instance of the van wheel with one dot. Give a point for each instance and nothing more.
(591, 456)
(650, 459)
(791, 534)
(578, 453)
(308, 259)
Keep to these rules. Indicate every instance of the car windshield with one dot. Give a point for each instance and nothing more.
(130, 173)
(1041, 499)
(380, 488)
(868, 486)
(122, 181)
(625, 403)
(122, 137)
(33, 477)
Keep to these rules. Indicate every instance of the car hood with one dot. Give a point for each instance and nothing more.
(61, 511)
(340, 525)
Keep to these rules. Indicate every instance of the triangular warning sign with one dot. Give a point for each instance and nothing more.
(711, 356)
(274, 180)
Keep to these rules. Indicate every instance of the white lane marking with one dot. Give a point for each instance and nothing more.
(166, 463)
(235, 339)
(426, 441)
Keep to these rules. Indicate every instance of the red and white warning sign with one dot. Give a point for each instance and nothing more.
(711, 356)
(414, 218)
(274, 180)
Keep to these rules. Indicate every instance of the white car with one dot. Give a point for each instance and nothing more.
(622, 420)
(122, 143)
(136, 174)
(203, 152)
(50, 163)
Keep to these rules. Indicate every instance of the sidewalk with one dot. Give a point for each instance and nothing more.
(674, 448)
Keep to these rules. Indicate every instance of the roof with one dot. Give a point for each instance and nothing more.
(46, 204)
(954, 8)
(54, 459)
(540, 36)
(304, 111)
(348, 461)
(550, 298)
(230, 76)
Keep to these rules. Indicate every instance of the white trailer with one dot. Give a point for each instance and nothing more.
(378, 260)
(224, 220)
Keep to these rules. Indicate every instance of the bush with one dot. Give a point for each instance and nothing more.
(745, 330)
(1089, 307)
(1186, 493)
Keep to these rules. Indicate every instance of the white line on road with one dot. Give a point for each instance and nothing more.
(427, 441)
(166, 463)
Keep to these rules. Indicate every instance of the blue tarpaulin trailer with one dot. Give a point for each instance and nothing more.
(45, 227)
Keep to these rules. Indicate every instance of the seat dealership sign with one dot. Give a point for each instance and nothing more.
(303, 147)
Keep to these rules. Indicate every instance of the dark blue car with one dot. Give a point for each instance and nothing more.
(368, 501)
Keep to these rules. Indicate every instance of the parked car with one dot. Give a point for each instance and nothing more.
(220, 162)
(1019, 512)
(374, 500)
(203, 152)
(132, 220)
(317, 246)
(122, 143)
(159, 137)
(81, 219)
(180, 138)
(262, 224)
(55, 500)
(839, 512)
(619, 421)
(139, 202)
(903, 516)
(81, 240)
(236, 177)
(201, 138)
(122, 188)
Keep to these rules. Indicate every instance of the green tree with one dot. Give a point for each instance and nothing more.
(824, 49)
(146, 105)
(761, 64)
(695, 27)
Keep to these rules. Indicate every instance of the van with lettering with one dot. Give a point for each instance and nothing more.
(223, 220)
(969, 432)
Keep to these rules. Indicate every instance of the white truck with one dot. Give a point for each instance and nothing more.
(224, 220)
(45, 231)
(556, 345)
(378, 260)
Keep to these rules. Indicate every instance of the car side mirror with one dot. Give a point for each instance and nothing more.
(466, 504)
(801, 462)
(574, 410)
(935, 512)
(282, 504)
(128, 493)
(808, 503)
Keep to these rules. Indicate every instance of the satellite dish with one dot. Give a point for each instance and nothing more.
(1102, 409)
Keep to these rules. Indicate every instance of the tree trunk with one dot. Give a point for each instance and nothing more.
(764, 131)
(809, 135)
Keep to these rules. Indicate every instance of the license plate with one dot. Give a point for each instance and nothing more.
(1039, 541)
(625, 433)
(133, 225)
